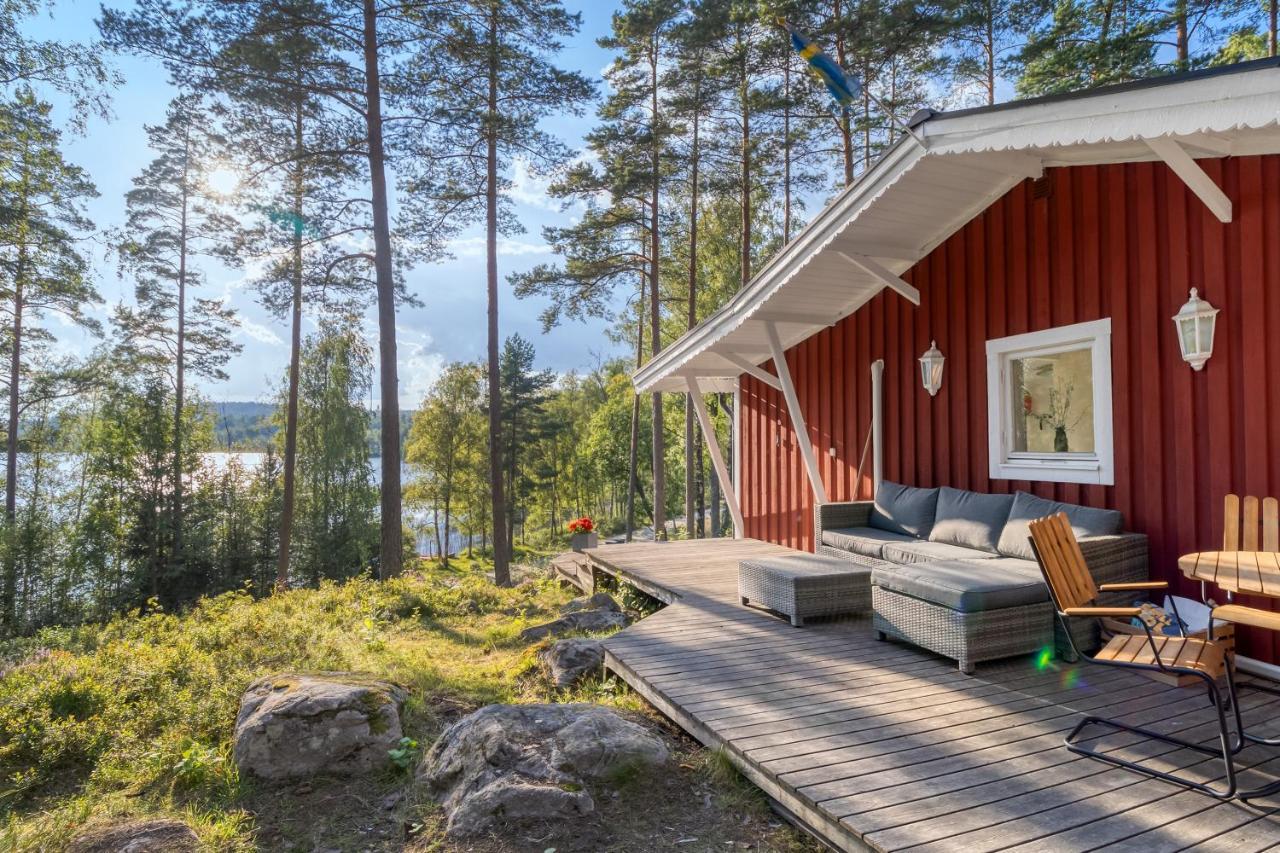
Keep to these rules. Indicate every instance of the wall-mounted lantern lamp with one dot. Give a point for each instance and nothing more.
(1195, 323)
(931, 369)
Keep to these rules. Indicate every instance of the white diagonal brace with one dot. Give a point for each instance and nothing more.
(747, 367)
(876, 270)
(1196, 179)
(797, 417)
(717, 458)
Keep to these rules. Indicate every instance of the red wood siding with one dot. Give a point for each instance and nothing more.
(1124, 241)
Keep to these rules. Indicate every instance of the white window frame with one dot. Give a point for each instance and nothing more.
(1097, 467)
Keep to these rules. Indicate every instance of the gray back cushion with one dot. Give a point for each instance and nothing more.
(904, 509)
(970, 519)
(1085, 521)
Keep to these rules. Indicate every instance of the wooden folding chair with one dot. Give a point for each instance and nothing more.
(1074, 596)
(1250, 524)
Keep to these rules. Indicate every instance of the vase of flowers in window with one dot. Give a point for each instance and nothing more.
(583, 533)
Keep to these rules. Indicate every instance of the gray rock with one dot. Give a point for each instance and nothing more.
(521, 764)
(583, 620)
(295, 725)
(145, 836)
(599, 601)
(569, 661)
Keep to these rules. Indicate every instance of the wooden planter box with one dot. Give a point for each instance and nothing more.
(582, 541)
(1224, 633)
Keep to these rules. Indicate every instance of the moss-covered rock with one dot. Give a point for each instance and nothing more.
(295, 725)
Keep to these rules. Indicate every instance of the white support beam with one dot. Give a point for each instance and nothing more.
(717, 458)
(1196, 179)
(876, 270)
(797, 417)
(747, 367)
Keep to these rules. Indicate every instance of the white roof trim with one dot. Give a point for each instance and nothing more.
(912, 199)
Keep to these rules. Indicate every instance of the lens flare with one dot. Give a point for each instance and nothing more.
(223, 180)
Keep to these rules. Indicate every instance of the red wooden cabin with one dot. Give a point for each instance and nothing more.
(1027, 217)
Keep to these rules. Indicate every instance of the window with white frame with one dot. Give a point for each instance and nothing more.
(1049, 405)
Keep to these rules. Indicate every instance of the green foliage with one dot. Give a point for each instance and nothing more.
(140, 710)
(405, 755)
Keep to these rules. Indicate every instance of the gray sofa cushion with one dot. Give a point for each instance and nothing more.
(867, 541)
(923, 552)
(969, 587)
(970, 519)
(1085, 521)
(1030, 568)
(904, 509)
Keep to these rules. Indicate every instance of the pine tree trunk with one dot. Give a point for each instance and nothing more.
(179, 367)
(655, 304)
(786, 150)
(691, 320)
(501, 542)
(1183, 46)
(633, 475)
(10, 589)
(846, 120)
(392, 546)
(1273, 18)
(295, 359)
(990, 50)
(745, 178)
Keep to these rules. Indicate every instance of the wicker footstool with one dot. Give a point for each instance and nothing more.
(802, 586)
(962, 610)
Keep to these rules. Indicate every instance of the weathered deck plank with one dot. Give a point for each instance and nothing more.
(882, 746)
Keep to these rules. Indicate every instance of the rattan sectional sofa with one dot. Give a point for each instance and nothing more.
(956, 574)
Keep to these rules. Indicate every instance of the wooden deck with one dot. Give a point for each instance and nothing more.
(881, 746)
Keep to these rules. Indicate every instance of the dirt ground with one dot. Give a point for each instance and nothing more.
(699, 806)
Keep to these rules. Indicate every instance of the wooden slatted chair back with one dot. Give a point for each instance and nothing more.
(1250, 524)
(1062, 561)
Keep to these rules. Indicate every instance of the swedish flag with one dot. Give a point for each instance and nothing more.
(845, 88)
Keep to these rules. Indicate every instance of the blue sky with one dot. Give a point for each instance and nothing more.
(449, 326)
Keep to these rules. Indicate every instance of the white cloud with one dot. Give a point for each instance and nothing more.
(259, 332)
(420, 367)
(474, 247)
(528, 188)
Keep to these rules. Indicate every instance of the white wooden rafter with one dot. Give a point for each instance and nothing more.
(752, 370)
(797, 416)
(717, 458)
(876, 270)
(1197, 180)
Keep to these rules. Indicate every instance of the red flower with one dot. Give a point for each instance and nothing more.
(581, 525)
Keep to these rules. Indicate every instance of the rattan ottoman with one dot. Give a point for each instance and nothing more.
(802, 586)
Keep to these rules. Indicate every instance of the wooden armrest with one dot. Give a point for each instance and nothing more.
(1243, 615)
(1103, 611)
(1111, 587)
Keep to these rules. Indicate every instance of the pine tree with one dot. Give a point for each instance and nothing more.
(362, 42)
(42, 273)
(986, 34)
(298, 172)
(74, 69)
(524, 394)
(170, 223)
(492, 81)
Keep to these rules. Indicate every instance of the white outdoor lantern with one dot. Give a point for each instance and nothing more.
(1195, 323)
(931, 369)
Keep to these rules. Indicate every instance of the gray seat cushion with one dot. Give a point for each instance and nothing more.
(867, 541)
(970, 519)
(1085, 521)
(806, 565)
(969, 587)
(1030, 568)
(904, 509)
(924, 552)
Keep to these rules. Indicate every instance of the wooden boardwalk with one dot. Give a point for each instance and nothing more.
(882, 746)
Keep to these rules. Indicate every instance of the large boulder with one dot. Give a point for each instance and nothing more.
(522, 764)
(599, 601)
(144, 836)
(295, 725)
(569, 661)
(582, 621)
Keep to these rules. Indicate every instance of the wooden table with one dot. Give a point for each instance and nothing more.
(1250, 572)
